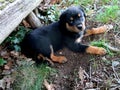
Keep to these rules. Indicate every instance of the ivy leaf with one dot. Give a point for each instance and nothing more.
(2, 62)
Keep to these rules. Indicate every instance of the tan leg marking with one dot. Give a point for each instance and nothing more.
(59, 59)
(98, 30)
(96, 50)
(40, 56)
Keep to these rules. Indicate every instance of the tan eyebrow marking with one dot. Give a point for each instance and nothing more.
(71, 18)
(78, 14)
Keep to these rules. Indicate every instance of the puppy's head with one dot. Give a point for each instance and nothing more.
(73, 19)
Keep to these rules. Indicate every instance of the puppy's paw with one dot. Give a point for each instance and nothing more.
(59, 59)
(96, 50)
(101, 51)
(62, 59)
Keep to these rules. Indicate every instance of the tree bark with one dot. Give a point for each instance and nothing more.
(13, 14)
(33, 20)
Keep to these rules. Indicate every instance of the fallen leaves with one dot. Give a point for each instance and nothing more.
(81, 75)
(49, 86)
(11, 59)
(6, 82)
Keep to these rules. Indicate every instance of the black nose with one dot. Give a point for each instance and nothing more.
(79, 26)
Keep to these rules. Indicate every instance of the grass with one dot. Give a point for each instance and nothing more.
(101, 43)
(109, 14)
(30, 77)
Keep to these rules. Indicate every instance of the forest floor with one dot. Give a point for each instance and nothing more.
(82, 71)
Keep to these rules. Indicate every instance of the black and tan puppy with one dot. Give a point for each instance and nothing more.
(68, 31)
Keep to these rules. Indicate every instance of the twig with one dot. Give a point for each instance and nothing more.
(112, 48)
(48, 86)
(117, 38)
(115, 88)
(82, 74)
(37, 13)
(115, 73)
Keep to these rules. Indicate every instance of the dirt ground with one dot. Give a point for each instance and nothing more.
(98, 73)
(68, 73)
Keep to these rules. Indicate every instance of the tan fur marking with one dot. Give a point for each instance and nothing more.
(98, 30)
(40, 56)
(72, 28)
(78, 14)
(96, 50)
(59, 59)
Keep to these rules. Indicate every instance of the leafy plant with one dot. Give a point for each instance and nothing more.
(16, 37)
(2, 62)
(110, 13)
(30, 77)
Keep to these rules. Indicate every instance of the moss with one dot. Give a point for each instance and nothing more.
(11, 1)
(2, 1)
(2, 7)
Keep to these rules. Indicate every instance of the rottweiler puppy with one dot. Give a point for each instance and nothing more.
(67, 32)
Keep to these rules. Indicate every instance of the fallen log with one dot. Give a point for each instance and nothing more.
(13, 14)
(33, 20)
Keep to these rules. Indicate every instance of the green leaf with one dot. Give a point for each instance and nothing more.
(2, 62)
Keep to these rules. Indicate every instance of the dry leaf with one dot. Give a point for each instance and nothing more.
(14, 53)
(81, 74)
(4, 54)
(89, 85)
(8, 81)
(26, 24)
(48, 86)
(55, 1)
(8, 65)
(2, 84)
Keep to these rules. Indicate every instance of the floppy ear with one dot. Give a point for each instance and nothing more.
(63, 16)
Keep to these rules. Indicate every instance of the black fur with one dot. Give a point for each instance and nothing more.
(56, 34)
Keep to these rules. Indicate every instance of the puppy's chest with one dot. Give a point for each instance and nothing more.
(79, 37)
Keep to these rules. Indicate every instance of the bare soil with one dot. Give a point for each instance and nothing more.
(98, 68)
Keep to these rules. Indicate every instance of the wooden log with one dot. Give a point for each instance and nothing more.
(33, 20)
(13, 14)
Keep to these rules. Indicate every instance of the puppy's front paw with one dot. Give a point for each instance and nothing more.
(101, 51)
(96, 50)
(62, 59)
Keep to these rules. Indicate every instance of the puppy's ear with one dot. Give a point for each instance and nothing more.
(63, 16)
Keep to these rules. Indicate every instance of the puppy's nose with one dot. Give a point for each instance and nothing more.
(79, 26)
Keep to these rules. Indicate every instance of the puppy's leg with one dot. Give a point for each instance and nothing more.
(98, 30)
(59, 59)
(95, 50)
(78, 47)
